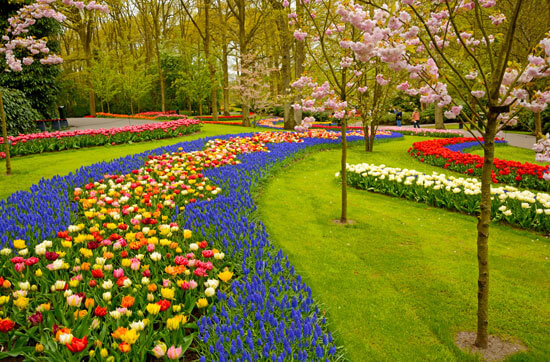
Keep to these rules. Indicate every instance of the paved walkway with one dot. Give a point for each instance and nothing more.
(514, 139)
(97, 123)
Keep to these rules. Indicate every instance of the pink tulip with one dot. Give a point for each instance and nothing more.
(118, 273)
(173, 352)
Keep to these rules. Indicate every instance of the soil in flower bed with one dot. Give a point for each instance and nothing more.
(497, 349)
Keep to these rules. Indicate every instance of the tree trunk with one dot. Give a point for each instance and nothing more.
(5, 135)
(372, 135)
(483, 232)
(538, 127)
(344, 172)
(161, 77)
(209, 59)
(438, 111)
(366, 135)
(300, 59)
(131, 107)
(284, 35)
(91, 93)
(344, 215)
(225, 68)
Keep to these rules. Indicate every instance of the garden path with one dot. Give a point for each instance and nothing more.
(97, 123)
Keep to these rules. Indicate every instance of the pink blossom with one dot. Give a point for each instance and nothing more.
(478, 93)
(299, 35)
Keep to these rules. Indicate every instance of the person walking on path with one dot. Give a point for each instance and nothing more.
(415, 118)
(398, 117)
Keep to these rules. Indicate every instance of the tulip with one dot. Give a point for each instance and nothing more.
(202, 303)
(76, 344)
(173, 352)
(36, 318)
(160, 350)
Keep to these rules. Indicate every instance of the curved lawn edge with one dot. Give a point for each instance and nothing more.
(400, 283)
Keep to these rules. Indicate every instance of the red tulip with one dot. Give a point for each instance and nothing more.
(77, 344)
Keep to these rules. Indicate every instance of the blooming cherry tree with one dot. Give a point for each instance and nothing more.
(432, 41)
(18, 48)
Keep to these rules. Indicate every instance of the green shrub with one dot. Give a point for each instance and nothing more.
(20, 115)
(427, 115)
(387, 118)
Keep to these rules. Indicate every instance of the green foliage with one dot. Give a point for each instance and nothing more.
(405, 102)
(20, 115)
(427, 115)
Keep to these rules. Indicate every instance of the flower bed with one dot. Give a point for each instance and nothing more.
(442, 153)
(119, 227)
(64, 140)
(227, 123)
(524, 209)
(115, 115)
(426, 132)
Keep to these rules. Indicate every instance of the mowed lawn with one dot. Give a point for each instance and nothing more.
(28, 170)
(401, 282)
(511, 153)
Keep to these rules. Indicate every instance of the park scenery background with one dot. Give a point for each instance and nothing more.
(274, 180)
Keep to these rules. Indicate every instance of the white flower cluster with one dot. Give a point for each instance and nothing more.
(508, 199)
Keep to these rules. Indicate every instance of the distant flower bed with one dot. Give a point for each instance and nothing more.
(447, 153)
(156, 114)
(63, 140)
(230, 123)
(427, 132)
(238, 116)
(115, 115)
(524, 209)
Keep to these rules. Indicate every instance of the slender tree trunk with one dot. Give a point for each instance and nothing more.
(225, 68)
(108, 107)
(366, 133)
(438, 117)
(286, 43)
(91, 93)
(538, 126)
(245, 106)
(483, 232)
(344, 172)
(344, 215)
(300, 59)
(161, 77)
(5, 135)
(131, 107)
(210, 60)
(372, 135)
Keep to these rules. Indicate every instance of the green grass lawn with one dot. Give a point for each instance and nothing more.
(401, 282)
(28, 170)
(511, 153)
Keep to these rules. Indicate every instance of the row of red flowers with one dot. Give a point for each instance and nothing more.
(435, 153)
(25, 144)
(223, 122)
